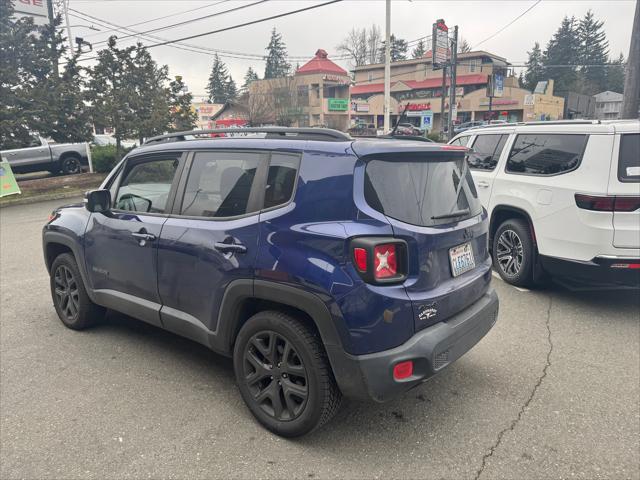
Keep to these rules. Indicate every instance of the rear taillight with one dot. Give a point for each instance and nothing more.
(631, 266)
(385, 261)
(380, 260)
(608, 203)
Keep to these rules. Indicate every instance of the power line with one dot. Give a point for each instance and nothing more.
(163, 17)
(193, 48)
(233, 27)
(179, 24)
(508, 24)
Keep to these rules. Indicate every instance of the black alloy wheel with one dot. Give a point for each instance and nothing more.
(66, 292)
(73, 305)
(275, 375)
(70, 165)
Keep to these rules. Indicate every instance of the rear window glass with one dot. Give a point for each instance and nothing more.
(420, 191)
(486, 151)
(629, 159)
(546, 154)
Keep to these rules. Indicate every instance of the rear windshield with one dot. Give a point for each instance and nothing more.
(421, 191)
(629, 159)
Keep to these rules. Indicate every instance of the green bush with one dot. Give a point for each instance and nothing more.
(435, 136)
(104, 157)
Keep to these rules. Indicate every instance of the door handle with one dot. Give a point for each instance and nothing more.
(230, 247)
(483, 184)
(144, 237)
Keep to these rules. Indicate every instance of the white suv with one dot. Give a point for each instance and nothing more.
(563, 198)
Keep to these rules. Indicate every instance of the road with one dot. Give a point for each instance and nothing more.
(552, 391)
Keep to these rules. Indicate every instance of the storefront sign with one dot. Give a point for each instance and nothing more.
(495, 103)
(415, 107)
(440, 43)
(36, 9)
(338, 104)
(359, 107)
(8, 185)
(336, 79)
(529, 100)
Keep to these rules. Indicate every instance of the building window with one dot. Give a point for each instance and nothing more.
(370, 77)
(474, 65)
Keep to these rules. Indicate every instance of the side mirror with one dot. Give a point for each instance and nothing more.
(98, 200)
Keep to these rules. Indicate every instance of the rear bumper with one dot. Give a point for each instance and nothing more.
(597, 272)
(370, 376)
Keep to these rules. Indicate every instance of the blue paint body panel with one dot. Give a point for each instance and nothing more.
(304, 244)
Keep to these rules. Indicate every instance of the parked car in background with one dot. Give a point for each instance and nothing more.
(415, 131)
(301, 253)
(363, 130)
(103, 140)
(563, 198)
(39, 154)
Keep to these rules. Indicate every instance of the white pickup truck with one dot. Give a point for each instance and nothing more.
(39, 155)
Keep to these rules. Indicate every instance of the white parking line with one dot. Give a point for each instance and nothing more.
(520, 289)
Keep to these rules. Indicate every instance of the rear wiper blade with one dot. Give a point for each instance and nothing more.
(456, 213)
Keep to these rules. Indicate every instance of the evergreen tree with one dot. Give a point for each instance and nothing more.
(521, 79)
(111, 91)
(398, 50)
(218, 87)
(419, 50)
(594, 51)
(535, 68)
(563, 49)
(183, 116)
(276, 59)
(231, 89)
(249, 77)
(615, 75)
(463, 46)
(151, 100)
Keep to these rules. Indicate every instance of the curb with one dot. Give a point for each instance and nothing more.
(42, 198)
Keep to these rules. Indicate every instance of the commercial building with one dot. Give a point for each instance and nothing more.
(205, 111)
(608, 105)
(416, 86)
(316, 95)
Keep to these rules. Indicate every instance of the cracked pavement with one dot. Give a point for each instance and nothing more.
(553, 391)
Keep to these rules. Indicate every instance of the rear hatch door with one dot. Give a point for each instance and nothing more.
(624, 183)
(431, 202)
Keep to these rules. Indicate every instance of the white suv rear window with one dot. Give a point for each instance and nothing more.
(629, 158)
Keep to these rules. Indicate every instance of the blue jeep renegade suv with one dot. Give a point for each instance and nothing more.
(325, 266)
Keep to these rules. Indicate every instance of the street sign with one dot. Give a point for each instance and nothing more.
(440, 44)
(338, 104)
(8, 185)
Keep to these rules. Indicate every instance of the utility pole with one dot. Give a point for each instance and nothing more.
(631, 100)
(452, 94)
(442, 100)
(66, 18)
(387, 70)
(52, 25)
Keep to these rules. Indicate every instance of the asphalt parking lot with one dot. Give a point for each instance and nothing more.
(553, 391)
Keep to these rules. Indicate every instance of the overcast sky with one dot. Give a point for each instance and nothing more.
(325, 27)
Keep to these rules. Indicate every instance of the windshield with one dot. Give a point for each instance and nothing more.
(421, 191)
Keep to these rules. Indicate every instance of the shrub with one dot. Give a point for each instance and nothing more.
(104, 157)
(435, 136)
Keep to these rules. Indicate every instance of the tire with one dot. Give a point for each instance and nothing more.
(70, 165)
(514, 253)
(305, 370)
(73, 306)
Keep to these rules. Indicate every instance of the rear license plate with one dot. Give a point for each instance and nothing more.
(461, 258)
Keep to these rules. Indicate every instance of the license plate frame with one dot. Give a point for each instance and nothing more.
(461, 259)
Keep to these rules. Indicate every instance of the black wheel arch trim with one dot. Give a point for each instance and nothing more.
(51, 237)
(345, 369)
(493, 227)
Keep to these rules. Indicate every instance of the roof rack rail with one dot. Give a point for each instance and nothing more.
(317, 134)
(538, 123)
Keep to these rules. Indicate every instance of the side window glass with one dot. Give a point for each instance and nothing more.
(546, 154)
(629, 158)
(220, 183)
(145, 187)
(460, 141)
(486, 151)
(281, 179)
